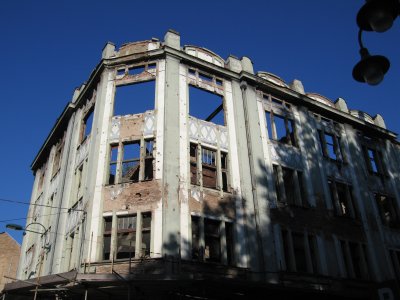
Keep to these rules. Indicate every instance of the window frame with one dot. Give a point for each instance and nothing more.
(197, 152)
(146, 161)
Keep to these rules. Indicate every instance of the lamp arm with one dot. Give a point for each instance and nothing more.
(360, 39)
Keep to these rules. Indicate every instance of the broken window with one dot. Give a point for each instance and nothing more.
(342, 199)
(374, 161)
(146, 234)
(113, 165)
(107, 225)
(299, 252)
(330, 145)
(41, 179)
(196, 250)
(280, 128)
(388, 210)
(210, 233)
(134, 98)
(87, 123)
(130, 162)
(213, 165)
(134, 164)
(126, 236)
(131, 232)
(289, 186)
(355, 259)
(57, 158)
(206, 106)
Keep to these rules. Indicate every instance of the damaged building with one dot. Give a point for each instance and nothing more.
(174, 173)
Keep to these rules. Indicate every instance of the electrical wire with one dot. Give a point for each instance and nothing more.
(35, 204)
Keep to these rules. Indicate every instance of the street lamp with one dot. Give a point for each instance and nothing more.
(19, 227)
(375, 15)
(371, 68)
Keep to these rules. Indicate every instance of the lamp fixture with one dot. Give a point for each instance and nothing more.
(371, 68)
(377, 15)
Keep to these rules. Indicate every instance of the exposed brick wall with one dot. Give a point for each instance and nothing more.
(9, 258)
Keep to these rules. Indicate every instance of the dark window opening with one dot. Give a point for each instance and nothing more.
(212, 240)
(388, 210)
(149, 159)
(107, 237)
(120, 72)
(193, 164)
(277, 185)
(289, 185)
(196, 251)
(113, 165)
(205, 77)
(312, 242)
(151, 66)
(229, 243)
(206, 106)
(146, 234)
(134, 98)
(299, 252)
(224, 171)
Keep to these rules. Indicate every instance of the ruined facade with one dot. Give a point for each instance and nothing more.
(173, 163)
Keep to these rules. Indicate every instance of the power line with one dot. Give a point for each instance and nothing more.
(36, 204)
(39, 216)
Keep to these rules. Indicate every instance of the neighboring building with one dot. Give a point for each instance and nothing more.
(175, 173)
(9, 257)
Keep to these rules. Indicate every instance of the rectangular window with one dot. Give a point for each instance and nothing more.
(330, 145)
(146, 234)
(342, 199)
(299, 255)
(209, 168)
(206, 106)
(87, 123)
(355, 259)
(208, 236)
(281, 128)
(107, 225)
(134, 98)
(289, 186)
(213, 174)
(130, 162)
(212, 240)
(395, 259)
(134, 164)
(388, 210)
(126, 236)
(57, 158)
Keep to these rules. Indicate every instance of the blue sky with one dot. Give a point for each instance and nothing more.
(50, 47)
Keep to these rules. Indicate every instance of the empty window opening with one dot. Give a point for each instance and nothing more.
(131, 162)
(212, 240)
(388, 210)
(196, 250)
(126, 236)
(151, 66)
(107, 225)
(121, 72)
(134, 98)
(205, 77)
(113, 165)
(135, 163)
(299, 252)
(146, 234)
(330, 145)
(136, 70)
(87, 125)
(280, 128)
(342, 199)
(372, 160)
(206, 106)
(289, 186)
(355, 259)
